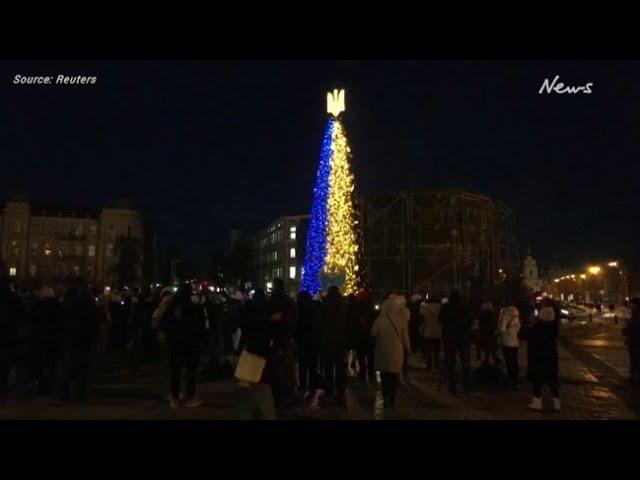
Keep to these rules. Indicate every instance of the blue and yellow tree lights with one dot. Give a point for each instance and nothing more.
(332, 241)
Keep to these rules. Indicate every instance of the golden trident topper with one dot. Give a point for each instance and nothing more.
(335, 102)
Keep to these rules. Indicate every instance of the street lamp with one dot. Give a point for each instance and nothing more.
(625, 286)
(594, 270)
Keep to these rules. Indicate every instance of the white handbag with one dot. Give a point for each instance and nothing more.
(250, 367)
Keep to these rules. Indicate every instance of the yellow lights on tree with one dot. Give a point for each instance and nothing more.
(341, 240)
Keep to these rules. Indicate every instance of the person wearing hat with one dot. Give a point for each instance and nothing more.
(542, 354)
(392, 343)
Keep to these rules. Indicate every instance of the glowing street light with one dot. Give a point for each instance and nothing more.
(594, 270)
(613, 264)
(583, 276)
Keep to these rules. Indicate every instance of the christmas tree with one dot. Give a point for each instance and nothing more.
(333, 250)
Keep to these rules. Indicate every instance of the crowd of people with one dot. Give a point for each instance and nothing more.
(454, 324)
(53, 341)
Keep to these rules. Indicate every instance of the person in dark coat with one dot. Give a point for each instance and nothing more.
(352, 328)
(140, 328)
(282, 311)
(456, 320)
(415, 321)
(487, 333)
(259, 330)
(307, 333)
(365, 345)
(542, 353)
(334, 343)
(80, 323)
(47, 323)
(12, 312)
(118, 314)
(185, 329)
(632, 338)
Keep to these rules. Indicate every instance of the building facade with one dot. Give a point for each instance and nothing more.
(279, 251)
(53, 244)
(433, 241)
(530, 276)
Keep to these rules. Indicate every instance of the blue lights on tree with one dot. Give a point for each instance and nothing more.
(317, 234)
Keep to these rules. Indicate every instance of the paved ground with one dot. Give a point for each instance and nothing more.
(593, 369)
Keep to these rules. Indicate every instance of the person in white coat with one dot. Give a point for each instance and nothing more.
(508, 328)
(392, 341)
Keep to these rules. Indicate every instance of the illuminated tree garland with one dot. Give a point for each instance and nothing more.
(317, 234)
(332, 241)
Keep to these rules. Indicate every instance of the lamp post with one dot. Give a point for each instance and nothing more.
(594, 270)
(623, 277)
(583, 277)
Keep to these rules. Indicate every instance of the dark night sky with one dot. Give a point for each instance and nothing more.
(202, 147)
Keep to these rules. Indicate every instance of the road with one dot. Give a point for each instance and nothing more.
(593, 372)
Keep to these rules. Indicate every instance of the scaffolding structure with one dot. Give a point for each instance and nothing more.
(433, 241)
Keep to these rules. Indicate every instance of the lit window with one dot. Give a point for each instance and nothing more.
(91, 251)
(15, 248)
(275, 255)
(292, 272)
(13, 271)
(292, 233)
(292, 253)
(47, 249)
(32, 270)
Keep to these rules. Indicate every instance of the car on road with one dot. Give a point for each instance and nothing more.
(573, 312)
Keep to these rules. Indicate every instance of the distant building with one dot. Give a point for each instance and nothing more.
(530, 274)
(54, 244)
(433, 241)
(279, 251)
